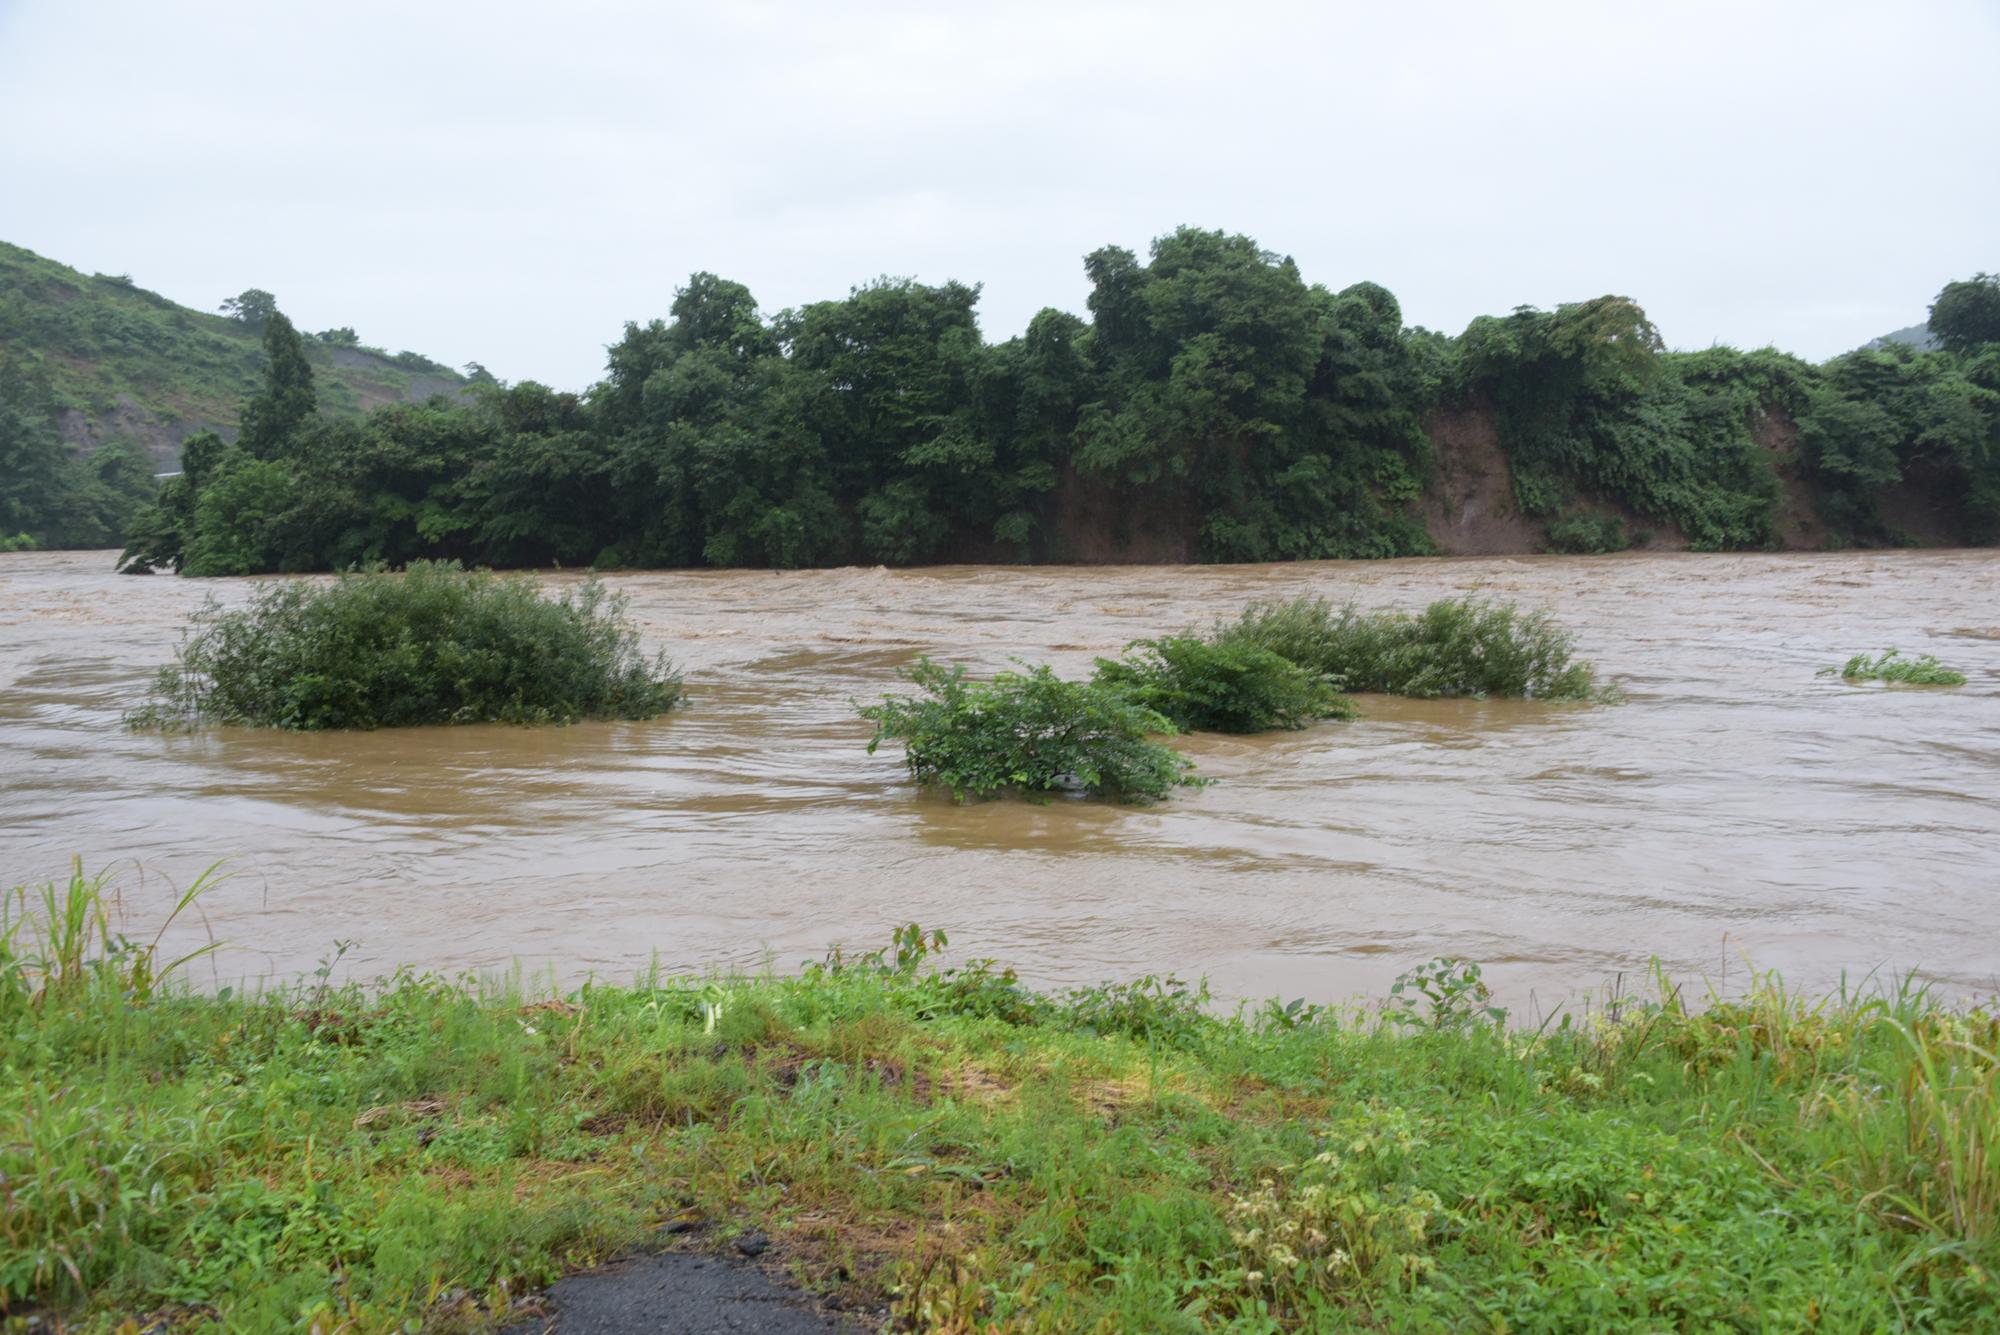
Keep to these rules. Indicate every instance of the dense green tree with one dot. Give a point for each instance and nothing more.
(1853, 443)
(540, 491)
(287, 400)
(1881, 415)
(253, 306)
(1282, 411)
(239, 517)
(891, 372)
(1966, 314)
(1551, 376)
(711, 453)
(1027, 396)
(1206, 352)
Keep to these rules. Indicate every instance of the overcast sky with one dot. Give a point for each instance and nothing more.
(510, 182)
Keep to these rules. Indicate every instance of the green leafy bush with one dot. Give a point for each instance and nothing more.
(1454, 647)
(1892, 666)
(1029, 731)
(1588, 535)
(1221, 686)
(436, 644)
(1168, 1011)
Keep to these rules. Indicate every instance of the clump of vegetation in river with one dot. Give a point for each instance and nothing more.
(1202, 685)
(959, 1151)
(1454, 647)
(433, 644)
(1029, 732)
(1892, 666)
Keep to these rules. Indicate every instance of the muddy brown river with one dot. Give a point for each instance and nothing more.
(1736, 810)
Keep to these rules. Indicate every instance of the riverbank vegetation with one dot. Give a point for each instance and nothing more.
(1893, 667)
(947, 1148)
(431, 644)
(1214, 406)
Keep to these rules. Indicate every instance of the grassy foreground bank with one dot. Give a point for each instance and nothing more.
(951, 1151)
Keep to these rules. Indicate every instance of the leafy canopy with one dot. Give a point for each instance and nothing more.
(1214, 404)
(1966, 314)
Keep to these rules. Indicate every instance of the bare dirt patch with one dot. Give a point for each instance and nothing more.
(1469, 509)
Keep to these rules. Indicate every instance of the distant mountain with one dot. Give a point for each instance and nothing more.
(1917, 336)
(127, 364)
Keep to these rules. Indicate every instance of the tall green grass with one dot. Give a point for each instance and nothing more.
(1454, 647)
(63, 937)
(963, 1152)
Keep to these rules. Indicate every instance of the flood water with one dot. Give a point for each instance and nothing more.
(1737, 807)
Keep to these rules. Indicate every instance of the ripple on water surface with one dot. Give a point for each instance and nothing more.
(1736, 805)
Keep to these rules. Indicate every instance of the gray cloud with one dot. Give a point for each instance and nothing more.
(511, 182)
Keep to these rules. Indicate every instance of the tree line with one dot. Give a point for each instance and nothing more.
(1273, 418)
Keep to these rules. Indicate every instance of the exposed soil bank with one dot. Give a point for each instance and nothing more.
(1467, 508)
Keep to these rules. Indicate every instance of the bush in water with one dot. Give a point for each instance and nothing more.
(1892, 666)
(1029, 731)
(1453, 647)
(1231, 686)
(435, 644)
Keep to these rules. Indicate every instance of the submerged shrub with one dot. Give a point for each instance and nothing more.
(1221, 686)
(1029, 731)
(1453, 647)
(1892, 666)
(434, 644)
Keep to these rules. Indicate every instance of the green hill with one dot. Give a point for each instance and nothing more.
(122, 364)
(1918, 336)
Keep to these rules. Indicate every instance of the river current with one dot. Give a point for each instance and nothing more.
(1737, 810)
